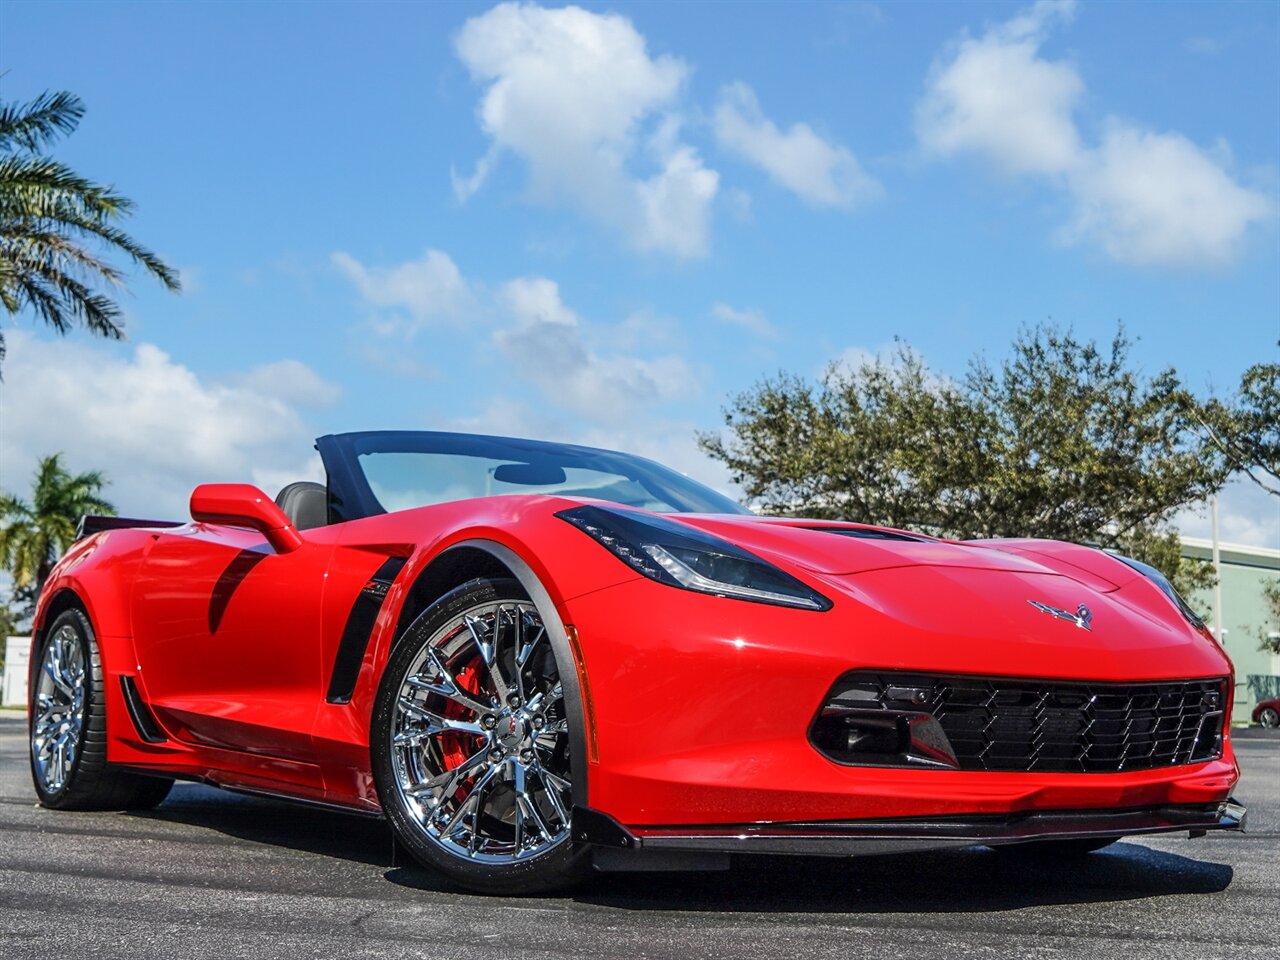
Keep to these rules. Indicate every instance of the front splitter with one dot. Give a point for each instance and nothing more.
(848, 838)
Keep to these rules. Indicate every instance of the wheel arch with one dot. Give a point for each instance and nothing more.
(480, 558)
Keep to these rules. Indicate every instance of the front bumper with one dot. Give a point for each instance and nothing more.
(847, 838)
(701, 709)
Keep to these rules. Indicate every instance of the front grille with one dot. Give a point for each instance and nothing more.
(995, 723)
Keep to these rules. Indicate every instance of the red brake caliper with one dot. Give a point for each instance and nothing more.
(455, 746)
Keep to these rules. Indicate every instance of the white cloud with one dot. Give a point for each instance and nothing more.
(1247, 515)
(536, 300)
(430, 290)
(549, 346)
(998, 97)
(153, 426)
(291, 381)
(851, 360)
(820, 173)
(1145, 197)
(751, 320)
(1157, 198)
(570, 92)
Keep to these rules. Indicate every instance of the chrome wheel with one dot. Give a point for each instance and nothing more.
(1270, 717)
(59, 703)
(479, 740)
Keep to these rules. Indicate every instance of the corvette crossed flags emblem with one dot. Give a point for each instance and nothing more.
(1081, 618)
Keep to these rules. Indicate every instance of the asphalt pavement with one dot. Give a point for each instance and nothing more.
(211, 874)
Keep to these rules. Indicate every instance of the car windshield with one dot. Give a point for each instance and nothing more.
(413, 469)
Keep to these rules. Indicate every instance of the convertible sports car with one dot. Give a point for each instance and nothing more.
(536, 659)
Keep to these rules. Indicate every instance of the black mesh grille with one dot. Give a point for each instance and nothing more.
(994, 723)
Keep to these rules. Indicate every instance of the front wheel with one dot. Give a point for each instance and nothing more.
(470, 744)
(1270, 717)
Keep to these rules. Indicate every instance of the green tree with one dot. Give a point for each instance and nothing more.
(1061, 440)
(1246, 428)
(54, 223)
(8, 628)
(1269, 632)
(33, 535)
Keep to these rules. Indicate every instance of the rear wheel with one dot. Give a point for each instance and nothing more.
(1270, 717)
(68, 725)
(470, 744)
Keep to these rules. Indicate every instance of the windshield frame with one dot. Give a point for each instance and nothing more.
(351, 497)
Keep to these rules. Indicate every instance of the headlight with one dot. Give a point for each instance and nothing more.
(1161, 581)
(683, 557)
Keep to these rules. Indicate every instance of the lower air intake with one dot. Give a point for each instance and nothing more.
(999, 724)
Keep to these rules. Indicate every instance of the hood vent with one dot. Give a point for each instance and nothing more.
(859, 533)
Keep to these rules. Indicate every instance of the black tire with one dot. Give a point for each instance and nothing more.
(563, 862)
(87, 781)
(1054, 849)
(1270, 717)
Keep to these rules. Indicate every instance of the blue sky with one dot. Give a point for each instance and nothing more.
(597, 223)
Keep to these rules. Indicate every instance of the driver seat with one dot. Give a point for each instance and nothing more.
(305, 503)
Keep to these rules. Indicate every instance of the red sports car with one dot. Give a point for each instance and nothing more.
(536, 659)
(1267, 713)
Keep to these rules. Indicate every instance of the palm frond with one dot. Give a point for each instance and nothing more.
(29, 126)
(36, 187)
(51, 219)
(47, 252)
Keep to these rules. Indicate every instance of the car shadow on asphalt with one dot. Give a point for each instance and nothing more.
(955, 881)
(969, 880)
(278, 823)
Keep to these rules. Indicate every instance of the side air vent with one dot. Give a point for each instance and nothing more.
(355, 635)
(143, 719)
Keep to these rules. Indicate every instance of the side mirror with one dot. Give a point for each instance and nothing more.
(244, 505)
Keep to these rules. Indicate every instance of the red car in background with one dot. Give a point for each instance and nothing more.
(1267, 713)
(536, 659)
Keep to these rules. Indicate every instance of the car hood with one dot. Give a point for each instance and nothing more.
(844, 548)
(994, 606)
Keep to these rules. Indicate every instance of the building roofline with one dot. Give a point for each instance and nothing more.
(1233, 552)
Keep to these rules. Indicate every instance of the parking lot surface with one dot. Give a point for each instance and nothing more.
(211, 874)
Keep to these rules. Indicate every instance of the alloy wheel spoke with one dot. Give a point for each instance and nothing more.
(526, 645)
(552, 791)
(490, 650)
(55, 674)
(532, 812)
(448, 781)
(449, 688)
(435, 724)
(478, 790)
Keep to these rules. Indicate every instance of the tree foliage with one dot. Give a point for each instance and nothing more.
(53, 222)
(1063, 439)
(1269, 633)
(1246, 428)
(33, 535)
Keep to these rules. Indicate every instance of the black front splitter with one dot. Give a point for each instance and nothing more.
(849, 838)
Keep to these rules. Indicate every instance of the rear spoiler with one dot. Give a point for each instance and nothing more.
(89, 525)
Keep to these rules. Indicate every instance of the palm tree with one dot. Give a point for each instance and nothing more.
(51, 221)
(33, 535)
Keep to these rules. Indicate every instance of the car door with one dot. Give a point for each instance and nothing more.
(226, 632)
